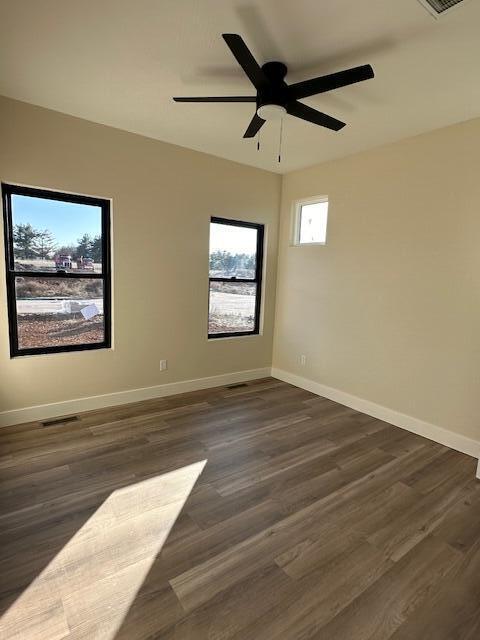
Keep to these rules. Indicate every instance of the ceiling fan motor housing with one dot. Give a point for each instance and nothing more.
(275, 92)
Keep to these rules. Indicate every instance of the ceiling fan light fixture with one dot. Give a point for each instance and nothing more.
(271, 112)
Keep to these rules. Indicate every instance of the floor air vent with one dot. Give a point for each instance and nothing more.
(236, 386)
(51, 423)
(440, 7)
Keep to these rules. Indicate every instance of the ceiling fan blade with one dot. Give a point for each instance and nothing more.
(328, 83)
(312, 115)
(245, 59)
(256, 123)
(217, 99)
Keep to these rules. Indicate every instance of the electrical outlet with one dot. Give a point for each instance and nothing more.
(303, 360)
(163, 365)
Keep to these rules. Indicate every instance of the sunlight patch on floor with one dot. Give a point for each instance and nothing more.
(97, 574)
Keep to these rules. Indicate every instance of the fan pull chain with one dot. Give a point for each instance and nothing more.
(280, 141)
(258, 142)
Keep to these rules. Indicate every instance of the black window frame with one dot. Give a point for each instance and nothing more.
(8, 190)
(257, 280)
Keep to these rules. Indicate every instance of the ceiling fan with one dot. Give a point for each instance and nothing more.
(274, 97)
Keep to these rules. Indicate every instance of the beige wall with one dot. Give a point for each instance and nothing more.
(163, 197)
(389, 310)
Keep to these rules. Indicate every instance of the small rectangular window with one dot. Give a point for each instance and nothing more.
(311, 222)
(236, 256)
(58, 270)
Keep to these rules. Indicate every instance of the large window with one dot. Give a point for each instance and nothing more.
(236, 257)
(58, 271)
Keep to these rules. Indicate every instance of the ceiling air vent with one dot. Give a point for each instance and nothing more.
(440, 7)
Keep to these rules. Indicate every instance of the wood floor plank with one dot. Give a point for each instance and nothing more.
(233, 610)
(405, 530)
(382, 608)
(461, 525)
(247, 513)
(321, 594)
(452, 611)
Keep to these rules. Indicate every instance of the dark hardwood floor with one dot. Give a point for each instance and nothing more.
(258, 512)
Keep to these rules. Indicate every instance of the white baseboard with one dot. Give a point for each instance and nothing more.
(427, 430)
(68, 407)
(432, 432)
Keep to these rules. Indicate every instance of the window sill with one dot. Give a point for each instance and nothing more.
(22, 356)
(309, 244)
(248, 335)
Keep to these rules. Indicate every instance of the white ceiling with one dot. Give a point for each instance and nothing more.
(119, 62)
